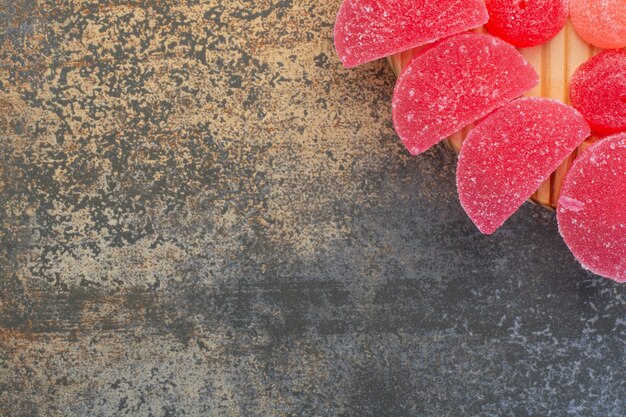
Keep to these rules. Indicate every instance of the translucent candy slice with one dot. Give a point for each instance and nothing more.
(598, 91)
(455, 83)
(507, 156)
(526, 23)
(366, 30)
(600, 22)
(592, 208)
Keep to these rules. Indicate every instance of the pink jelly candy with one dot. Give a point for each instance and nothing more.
(507, 156)
(592, 208)
(455, 83)
(366, 30)
(600, 22)
(598, 91)
(525, 23)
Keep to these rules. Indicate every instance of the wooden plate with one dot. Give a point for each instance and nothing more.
(555, 62)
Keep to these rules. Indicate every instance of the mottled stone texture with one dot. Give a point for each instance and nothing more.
(203, 214)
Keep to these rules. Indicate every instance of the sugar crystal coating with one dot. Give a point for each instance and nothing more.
(592, 208)
(526, 23)
(507, 156)
(598, 91)
(455, 83)
(600, 22)
(366, 30)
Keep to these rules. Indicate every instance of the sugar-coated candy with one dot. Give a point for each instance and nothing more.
(455, 83)
(598, 91)
(507, 156)
(600, 22)
(592, 208)
(526, 23)
(366, 30)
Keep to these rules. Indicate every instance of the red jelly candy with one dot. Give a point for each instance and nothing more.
(506, 157)
(592, 208)
(455, 83)
(600, 22)
(525, 23)
(598, 91)
(366, 30)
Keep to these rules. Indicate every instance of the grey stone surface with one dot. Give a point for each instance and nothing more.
(203, 214)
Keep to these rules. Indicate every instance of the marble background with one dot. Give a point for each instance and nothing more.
(203, 214)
